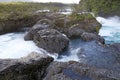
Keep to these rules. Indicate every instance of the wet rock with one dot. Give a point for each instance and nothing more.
(116, 48)
(51, 40)
(69, 26)
(65, 25)
(31, 67)
(77, 71)
(88, 25)
(75, 31)
(101, 56)
(91, 25)
(91, 36)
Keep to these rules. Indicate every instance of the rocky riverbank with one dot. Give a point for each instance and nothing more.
(53, 32)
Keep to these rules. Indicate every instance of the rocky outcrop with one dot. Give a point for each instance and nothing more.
(77, 71)
(64, 24)
(34, 30)
(90, 26)
(51, 40)
(15, 22)
(91, 36)
(31, 67)
(75, 31)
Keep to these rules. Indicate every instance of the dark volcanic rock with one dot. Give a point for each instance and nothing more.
(65, 25)
(88, 25)
(76, 71)
(41, 24)
(101, 56)
(116, 47)
(51, 40)
(31, 67)
(92, 25)
(91, 36)
(75, 31)
(34, 30)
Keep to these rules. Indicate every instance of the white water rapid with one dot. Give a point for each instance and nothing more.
(12, 45)
(110, 29)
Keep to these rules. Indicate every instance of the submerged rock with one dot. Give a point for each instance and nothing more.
(31, 67)
(51, 40)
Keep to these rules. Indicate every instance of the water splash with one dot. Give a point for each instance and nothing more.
(110, 29)
(12, 45)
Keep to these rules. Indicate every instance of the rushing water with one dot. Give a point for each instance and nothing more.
(110, 29)
(12, 45)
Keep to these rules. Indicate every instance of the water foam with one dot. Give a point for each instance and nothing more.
(12, 45)
(110, 29)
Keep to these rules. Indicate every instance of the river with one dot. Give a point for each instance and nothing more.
(12, 45)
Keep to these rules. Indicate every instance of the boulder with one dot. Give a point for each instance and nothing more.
(41, 24)
(31, 67)
(75, 31)
(92, 25)
(64, 24)
(34, 30)
(73, 70)
(91, 36)
(51, 40)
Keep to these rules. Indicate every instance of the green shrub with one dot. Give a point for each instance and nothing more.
(9, 10)
(100, 6)
(80, 17)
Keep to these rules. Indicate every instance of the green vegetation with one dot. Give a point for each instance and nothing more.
(80, 17)
(22, 9)
(101, 6)
(15, 15)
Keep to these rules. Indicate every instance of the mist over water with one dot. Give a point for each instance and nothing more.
(110, 29)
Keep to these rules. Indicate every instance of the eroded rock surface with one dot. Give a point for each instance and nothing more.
(92, 36)
(31, 67)
(76, 71)
(51, 40)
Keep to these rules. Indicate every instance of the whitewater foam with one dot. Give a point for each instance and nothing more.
(72, 56)
(12, 45)
(110, 28)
